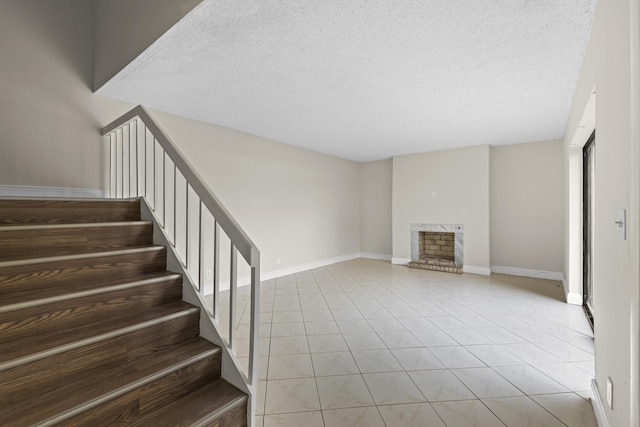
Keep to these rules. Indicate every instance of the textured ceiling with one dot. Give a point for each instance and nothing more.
(369, 79)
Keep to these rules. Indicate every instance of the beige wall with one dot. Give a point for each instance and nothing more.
(125, 28)
(613, 70)
(50, 119)
(460, 180)
(296, 205)
(527, 206)
(375, 208)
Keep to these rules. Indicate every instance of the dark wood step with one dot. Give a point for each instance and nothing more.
(24, 280)
(46, 317)
(126, 348)
(150, 382)
(49, 211)
(34, 241)
(92, 328)
(216, 404)
(27, 350)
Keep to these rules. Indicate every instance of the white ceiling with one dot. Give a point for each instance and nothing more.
(369, 79)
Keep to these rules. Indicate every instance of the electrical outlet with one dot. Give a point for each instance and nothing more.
(610, 393)
(208, 274)
(278, 261)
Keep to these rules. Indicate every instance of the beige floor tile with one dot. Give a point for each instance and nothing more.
(456, 357)
(295, 395)
(290, 366)
(440, 385)
(354, 326)
(353, 417)
(344, 317)
(344, 391)
(296, 419)
(372, 361)
(287, 329)
(317, 316)
(530, 380)
(289, 345)
(399, 339)
(433, 338)
(521, 411)
(364, 341)
(530, 353)
(327, 343)
(486, 383)
(324, 327)
(494, 355)
(389, 388)
(417, 359)
(410, 415)
(566, 374)
(569, 408)
(467, 413)
(335, 363)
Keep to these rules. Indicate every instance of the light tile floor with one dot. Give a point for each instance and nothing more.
(367, 343)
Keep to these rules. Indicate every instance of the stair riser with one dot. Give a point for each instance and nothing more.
(21, 212)
(153, 396)
(89, 368)
(23, 244)
(28, 282)
(65, 315)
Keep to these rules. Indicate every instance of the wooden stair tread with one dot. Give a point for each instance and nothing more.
(106, 384)
(104, 252)
(55, 211)
(14, 351)
(204, 404)
(35, 241)
(70, 311)
(48, 277)
(140, 280)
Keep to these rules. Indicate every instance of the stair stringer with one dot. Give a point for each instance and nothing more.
(230, 370)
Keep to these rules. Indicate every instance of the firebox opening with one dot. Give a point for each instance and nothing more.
(437, 248)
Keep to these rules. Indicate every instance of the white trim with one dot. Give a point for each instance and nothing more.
(485, 271)
(308, 266)
(571, 297)
(598, 405)
(574, 299)
(402, 261)
(60, 192)
(373, 255)
(528, 272)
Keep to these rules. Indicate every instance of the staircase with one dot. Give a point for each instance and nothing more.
(93, 331)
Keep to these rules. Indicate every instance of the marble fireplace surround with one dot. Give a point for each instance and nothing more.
(457, 229)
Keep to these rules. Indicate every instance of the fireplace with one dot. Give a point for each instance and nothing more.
(437, 247)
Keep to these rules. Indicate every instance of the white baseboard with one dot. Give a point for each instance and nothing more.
(574, 299)
(372, 255)
(57, 192)
(402, 261)
(308, 266)
(598, 405)
(528, 272)
(485, 271)
(570, 297)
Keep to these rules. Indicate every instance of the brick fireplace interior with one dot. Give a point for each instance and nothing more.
(437, 248)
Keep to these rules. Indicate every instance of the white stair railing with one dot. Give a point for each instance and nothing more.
(145, 163)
